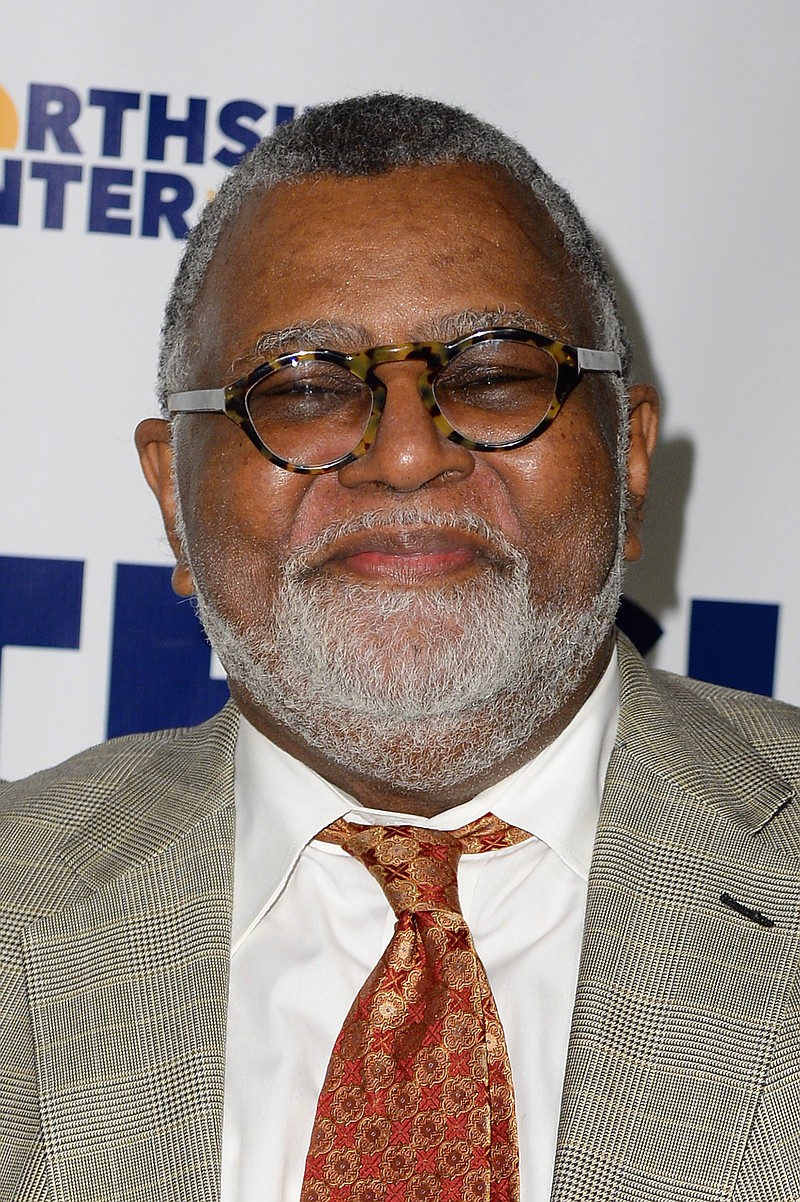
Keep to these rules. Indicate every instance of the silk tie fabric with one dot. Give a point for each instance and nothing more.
(418, 1103)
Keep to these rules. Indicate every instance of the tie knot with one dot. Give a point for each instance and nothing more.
(416, 866)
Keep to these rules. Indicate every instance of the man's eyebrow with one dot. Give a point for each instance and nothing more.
(305, 336)
(456, 325)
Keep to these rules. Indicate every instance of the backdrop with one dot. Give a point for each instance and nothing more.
(675, 126)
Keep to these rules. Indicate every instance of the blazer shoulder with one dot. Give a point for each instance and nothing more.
(770, 727)
(736, 752)
(110, 807)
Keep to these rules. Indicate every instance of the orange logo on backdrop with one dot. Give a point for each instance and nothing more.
(9, 121)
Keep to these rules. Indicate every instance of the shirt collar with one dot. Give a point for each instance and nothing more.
(281, 804)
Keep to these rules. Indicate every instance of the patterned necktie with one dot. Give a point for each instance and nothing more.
(417, 1103)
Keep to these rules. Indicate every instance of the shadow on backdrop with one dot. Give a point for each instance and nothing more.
(652, 582)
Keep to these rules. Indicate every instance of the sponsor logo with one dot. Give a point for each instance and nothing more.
(89, 160)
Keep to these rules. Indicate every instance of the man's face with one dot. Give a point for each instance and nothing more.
(400, 600)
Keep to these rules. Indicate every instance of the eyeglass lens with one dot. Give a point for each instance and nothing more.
(315, 412)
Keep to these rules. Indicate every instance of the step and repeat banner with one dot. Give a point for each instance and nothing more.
(673, 123)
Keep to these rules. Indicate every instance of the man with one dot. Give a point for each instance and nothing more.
(405, 545)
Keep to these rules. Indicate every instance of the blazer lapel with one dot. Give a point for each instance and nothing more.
(128, 996)
(679, 996)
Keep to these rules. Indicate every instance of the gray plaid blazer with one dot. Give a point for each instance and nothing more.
(683, 1073)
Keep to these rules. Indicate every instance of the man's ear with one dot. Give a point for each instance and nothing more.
(643, 404)
(154, 444)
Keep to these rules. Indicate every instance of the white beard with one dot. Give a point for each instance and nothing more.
(418, 688)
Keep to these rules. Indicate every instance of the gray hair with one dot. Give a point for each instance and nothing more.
(369, 135)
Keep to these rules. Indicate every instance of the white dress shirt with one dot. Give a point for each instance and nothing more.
(310, 923)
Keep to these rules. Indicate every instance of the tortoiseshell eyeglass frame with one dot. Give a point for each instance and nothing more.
(571, 363)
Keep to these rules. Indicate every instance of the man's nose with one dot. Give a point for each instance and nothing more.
(408, 452)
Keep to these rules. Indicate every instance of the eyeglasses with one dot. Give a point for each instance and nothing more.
(316, 410)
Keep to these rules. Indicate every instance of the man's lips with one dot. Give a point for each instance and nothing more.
(407, 567)
(407, 555)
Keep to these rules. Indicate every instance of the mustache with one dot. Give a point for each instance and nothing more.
(497, 547)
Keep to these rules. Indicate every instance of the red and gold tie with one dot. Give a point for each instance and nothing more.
(417, 1103)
